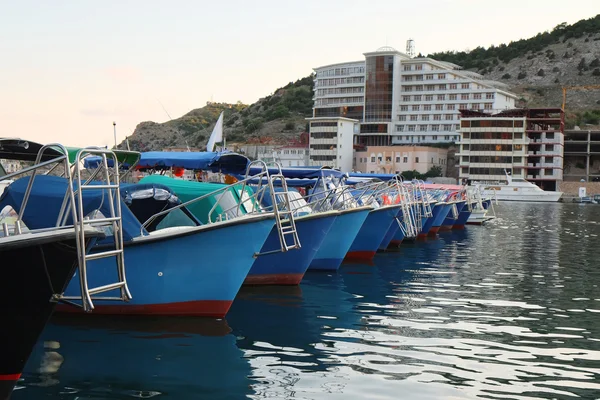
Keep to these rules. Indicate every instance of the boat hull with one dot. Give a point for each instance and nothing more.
(439, 218)
(534, 196)
(463, 217)
(338, 240)
(371, 233)
(196, 274)
(288, 268)
(26, 290)
(392, 231)
(449, 221)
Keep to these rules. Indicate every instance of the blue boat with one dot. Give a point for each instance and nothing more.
(436, 208)
(463, 217)
(444, 209)
(367, 241)
(392, 231)
(337, 242)
(175, 265)
(449, 221)
(274, 267)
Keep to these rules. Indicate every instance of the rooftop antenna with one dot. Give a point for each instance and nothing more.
(410, 48)
(115, 133)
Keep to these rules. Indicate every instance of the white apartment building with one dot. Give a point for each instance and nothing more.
(331, 142)
(399, 100)
(287, 156)
(527, 143)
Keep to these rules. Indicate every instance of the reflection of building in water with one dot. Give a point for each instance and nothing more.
(50, 364)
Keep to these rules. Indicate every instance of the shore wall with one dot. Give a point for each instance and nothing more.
(572, 188)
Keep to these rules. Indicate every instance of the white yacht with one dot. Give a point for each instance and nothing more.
(518, 189)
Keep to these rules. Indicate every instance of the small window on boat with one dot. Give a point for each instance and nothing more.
(228, 204)
(247, 201)
(174, 219)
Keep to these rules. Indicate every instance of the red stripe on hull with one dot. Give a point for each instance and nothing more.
(445, 228)
(274, 279)
(434, 230)
(395, 243)
(422, 236)
(360, 255)
(458, 227)
(10, 377)
(199, 308)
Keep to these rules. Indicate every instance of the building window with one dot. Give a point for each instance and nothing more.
(405, 98)
(403, 108)
(435, 128)
(434, 137)
(429, 77)
(450, 106)
(439, 107)
(419, 77)
(489, 96)
(548, 172)
(427, 107)
(475, 106)
(416, 159)
(477, 96)
(407, 88)
(430, 87)
(397, 159)
(452, 97)
(407, 67)
(441, 76)
(413, 117)
(429, 97)
(448, 128)
(424, 117)
(464, 85)
(464, 96)
(417, 98)
(408, 78)
(488, 106)
(419, 88)
(400, 128)
(441, 97)
(442, 87)
(549, 147)
(453, 86)
(405, 159)
(419, 67)
(402, 117)
(449, 117)
(411, 128)
(437, 117)
(372, 159)
(423, 128)
(416, 108)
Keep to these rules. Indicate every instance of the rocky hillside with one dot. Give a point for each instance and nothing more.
(534, 68)
(537, 68)
(272, 119)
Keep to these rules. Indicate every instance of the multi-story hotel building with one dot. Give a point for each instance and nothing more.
(527, 143)
(399, 100)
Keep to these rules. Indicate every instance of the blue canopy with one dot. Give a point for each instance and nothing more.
(46, 199)
(300, 172)
(213, 161)
(383, 177)
(92, 162)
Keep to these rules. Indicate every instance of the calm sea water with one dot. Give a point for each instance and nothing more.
(510, 310)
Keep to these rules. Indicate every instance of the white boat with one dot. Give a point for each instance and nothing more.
(518, 189)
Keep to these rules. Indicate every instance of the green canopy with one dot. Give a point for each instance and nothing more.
(123, 156)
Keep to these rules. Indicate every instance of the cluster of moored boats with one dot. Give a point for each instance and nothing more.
(82, 237)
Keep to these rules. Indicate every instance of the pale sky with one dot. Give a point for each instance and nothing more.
(68, 69)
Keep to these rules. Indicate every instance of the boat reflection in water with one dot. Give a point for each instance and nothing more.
(123, 357)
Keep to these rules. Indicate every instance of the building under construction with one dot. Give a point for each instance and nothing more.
(526, 143)
(582, 155)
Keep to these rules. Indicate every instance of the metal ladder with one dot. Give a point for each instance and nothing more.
(284, 214)
(110, 187)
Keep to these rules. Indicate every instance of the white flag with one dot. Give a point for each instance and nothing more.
(217, 134)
